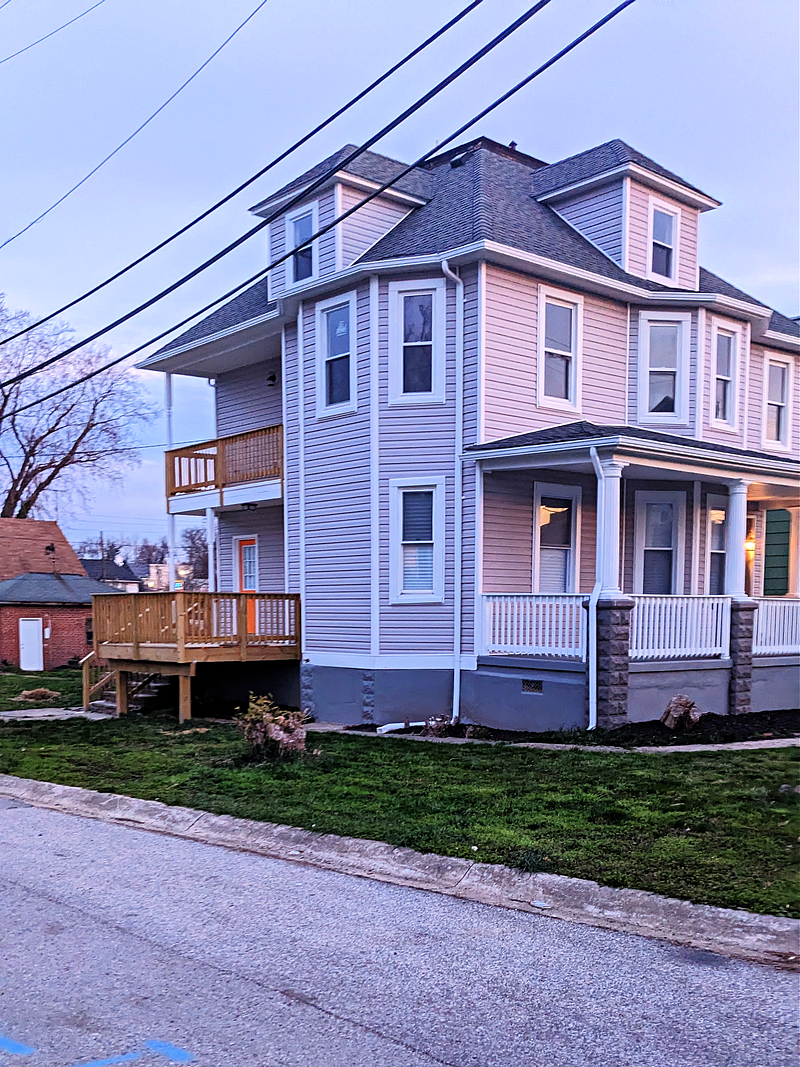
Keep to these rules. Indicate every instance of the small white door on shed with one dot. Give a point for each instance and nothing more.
(31, 646)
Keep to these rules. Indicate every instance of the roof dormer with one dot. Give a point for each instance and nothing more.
(642, 216)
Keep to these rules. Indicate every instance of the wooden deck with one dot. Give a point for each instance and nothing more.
(243, 457)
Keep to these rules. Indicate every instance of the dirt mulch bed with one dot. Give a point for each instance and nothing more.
(710, 730)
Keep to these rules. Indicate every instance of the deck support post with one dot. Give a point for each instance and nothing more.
(121, 679)
(184, 698)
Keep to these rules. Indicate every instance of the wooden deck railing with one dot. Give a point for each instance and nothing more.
(184, 627)
(243, 457)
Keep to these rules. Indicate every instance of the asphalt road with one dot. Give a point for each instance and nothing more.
(121, 946)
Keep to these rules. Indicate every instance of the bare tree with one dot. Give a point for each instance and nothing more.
(145, 552)
(100, 548)
(84, 435)
(195, 550)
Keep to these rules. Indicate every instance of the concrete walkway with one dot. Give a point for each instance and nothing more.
(50, 715)
(126, 946)
(733, 746)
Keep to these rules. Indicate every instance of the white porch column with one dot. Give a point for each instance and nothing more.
(737, 534)
(170, 518)
(608, 527)
(212, 550)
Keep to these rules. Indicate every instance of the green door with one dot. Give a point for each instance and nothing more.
(776, 553)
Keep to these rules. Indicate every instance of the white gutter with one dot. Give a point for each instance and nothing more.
(458, 488)
(591, 649)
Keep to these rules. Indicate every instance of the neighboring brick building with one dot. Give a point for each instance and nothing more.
(45, 599)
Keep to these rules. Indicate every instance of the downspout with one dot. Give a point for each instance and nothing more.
(591, 651)
(458, 487)
(170, 517)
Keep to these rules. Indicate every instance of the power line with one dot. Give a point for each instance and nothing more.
(52, 32)
(259, 174)
(138, 130)
(5, 4)
(302, 194)
(260, 274)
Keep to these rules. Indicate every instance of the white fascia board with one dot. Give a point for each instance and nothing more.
(157, 361)
(273, 202)
(647, 449)
(785, 340)
(632, 170)
(346, 178)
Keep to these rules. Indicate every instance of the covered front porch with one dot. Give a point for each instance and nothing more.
(681, 538)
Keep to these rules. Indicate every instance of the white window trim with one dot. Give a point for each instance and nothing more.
(235, 569)
(786, 444)
(569, 492)
(396, 487)
(724, 326)
(313, 209)
(397, 290)
(654, 204)
(323, 410)
(644, 497)
(560, 296)
(714, 501)
(679, 417)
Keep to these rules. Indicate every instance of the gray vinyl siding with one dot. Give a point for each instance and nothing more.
(337, 504)
(630, 488)
(326, 245)
(508, 529)
(245, 401)
(361, 230)
(598, 216)
(416, 442)
(266, 524)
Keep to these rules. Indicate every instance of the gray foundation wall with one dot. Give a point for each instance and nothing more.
(776, 683)
(651, 686)
(349, 695)
(494, 695)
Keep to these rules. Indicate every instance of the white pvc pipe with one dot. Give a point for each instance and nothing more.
(458, 488)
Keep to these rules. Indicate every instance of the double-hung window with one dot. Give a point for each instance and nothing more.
(556, 533)
(417, 533)
(336, 356)
(300, 225)
(776, 402)
(725, 345)
(660, 521)
(559, 349)
(716, 544)
(417, 342)
(663, 367)
(663, 253)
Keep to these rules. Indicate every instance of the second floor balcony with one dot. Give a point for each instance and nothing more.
(232, 470)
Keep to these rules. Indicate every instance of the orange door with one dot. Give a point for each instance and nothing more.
(248, 577)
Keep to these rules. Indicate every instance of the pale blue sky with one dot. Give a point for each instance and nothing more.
(709, 88)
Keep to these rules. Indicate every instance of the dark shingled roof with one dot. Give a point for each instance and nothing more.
(782, 324)
(586, 431)
(596, 161)
(246, 306)
(478, 191)
(50, 589)
(369, 165)
(109, 571)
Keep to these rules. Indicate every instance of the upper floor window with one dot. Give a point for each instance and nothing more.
(417, 536)
(664, 227)
(559, 349)
(417, 342)
(300, 225)
(725, 362)
(663, 367)
(777, 374)
(336, 362)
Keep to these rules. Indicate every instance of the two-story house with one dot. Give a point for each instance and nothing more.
(503, 447)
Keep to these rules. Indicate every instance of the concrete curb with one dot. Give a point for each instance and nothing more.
(739, 934)
(730, 746)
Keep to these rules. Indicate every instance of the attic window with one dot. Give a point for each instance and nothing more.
(663, 244)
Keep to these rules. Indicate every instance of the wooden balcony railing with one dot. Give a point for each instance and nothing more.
(196, 627)
(244, 457)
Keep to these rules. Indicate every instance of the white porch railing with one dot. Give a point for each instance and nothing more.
(776, 630)
(680, 627)
(530, 624)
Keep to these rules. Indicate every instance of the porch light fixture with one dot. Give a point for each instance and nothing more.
(749, 545)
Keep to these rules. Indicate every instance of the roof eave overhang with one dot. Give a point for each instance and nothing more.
(188, 359)
(665, 186)
(774, 339)
(684, 456)
(274, 203)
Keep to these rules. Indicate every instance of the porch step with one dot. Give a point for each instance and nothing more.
(109, 707)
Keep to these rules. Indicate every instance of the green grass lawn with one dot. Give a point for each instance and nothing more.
(65, 682)
(715, 828)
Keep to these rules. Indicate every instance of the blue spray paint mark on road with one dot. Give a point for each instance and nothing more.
(14, 1048)
(175, 1055)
